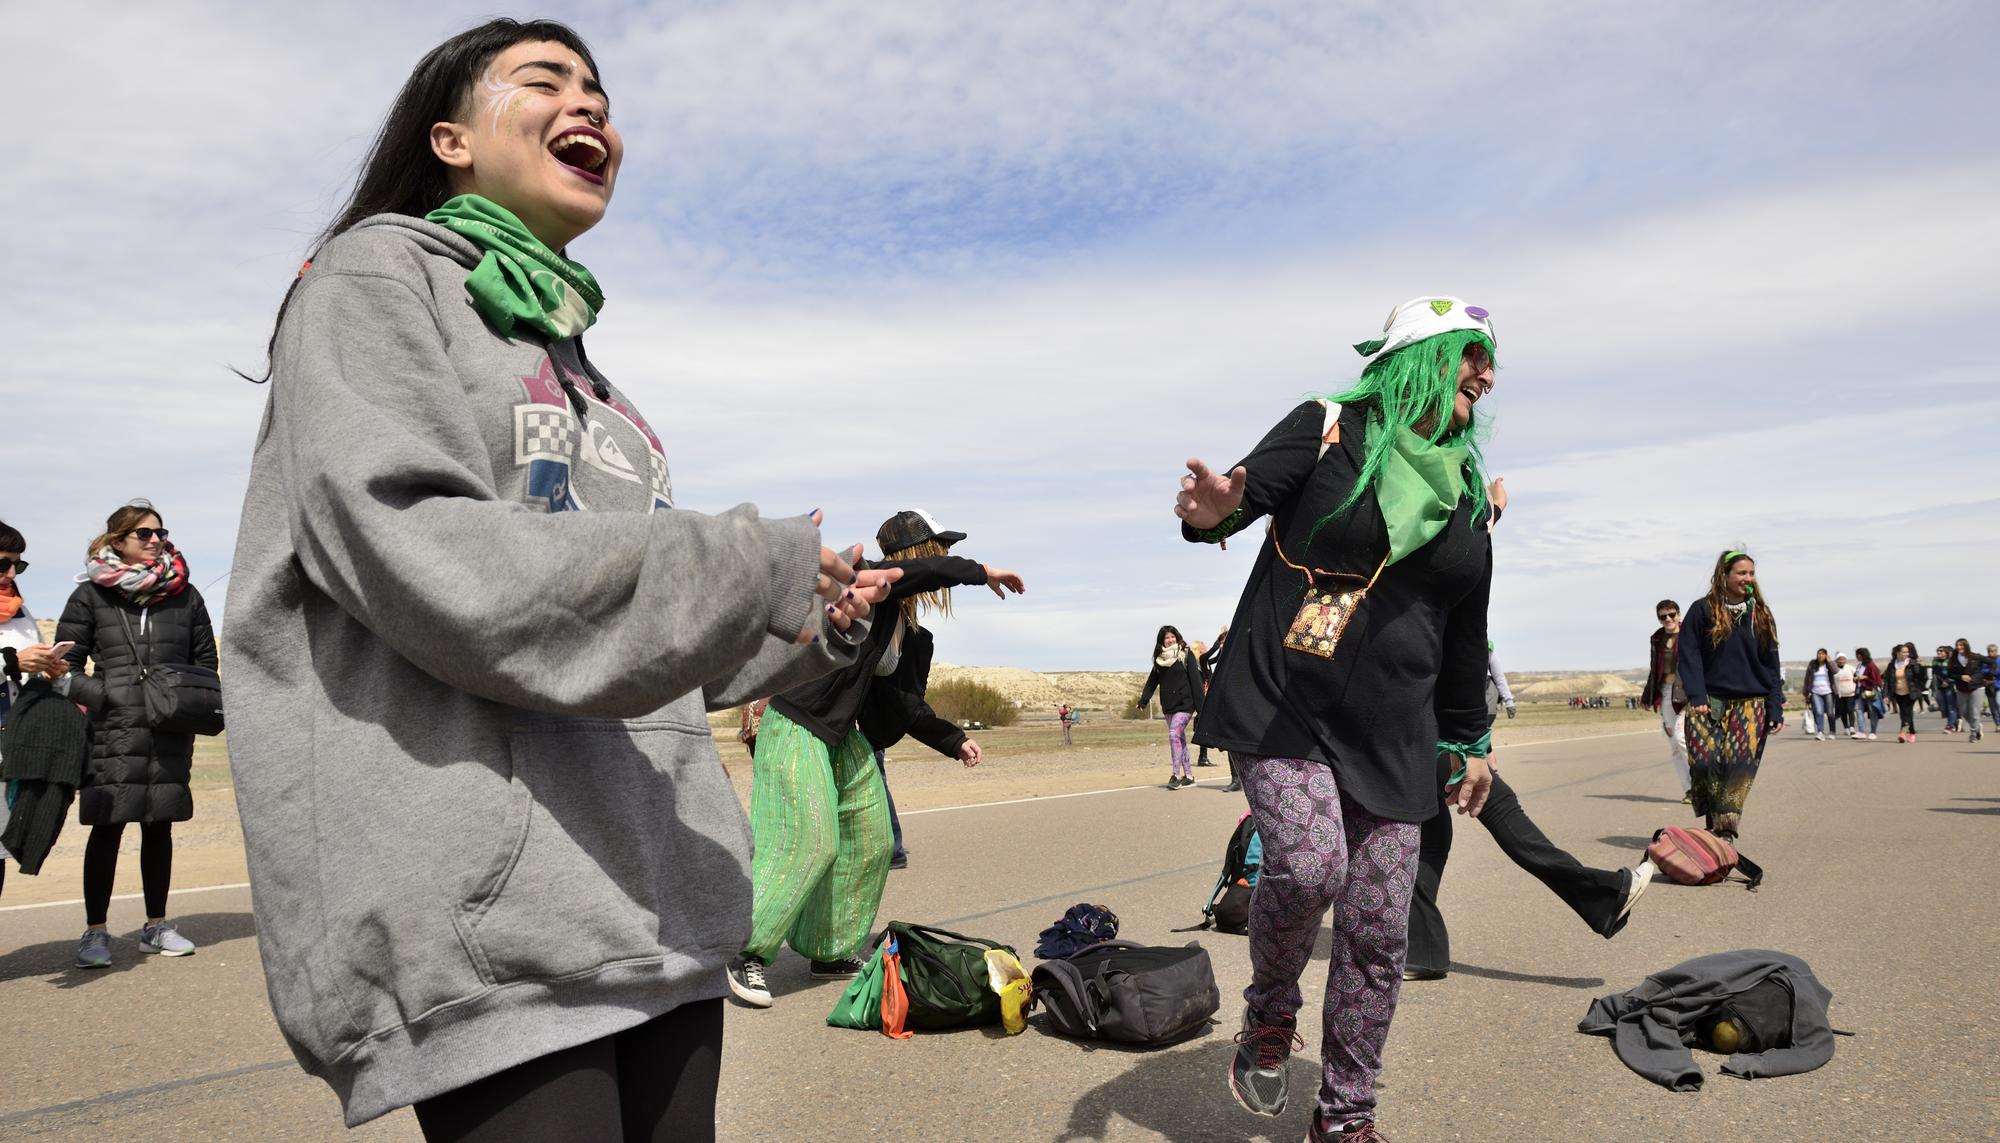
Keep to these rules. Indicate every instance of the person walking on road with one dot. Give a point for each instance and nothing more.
(1843, 693)
(1904, 681)
(1735, 684)
(1867, 694)
(1176, 676)
(1945, 693)
(1817, 690)
(1350, 669)
(472, 644)
(1968, 672)
(1663, 693)
(133, 609)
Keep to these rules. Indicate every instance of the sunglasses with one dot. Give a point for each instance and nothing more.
(13, 566)
(145, 535)
(1666, 615)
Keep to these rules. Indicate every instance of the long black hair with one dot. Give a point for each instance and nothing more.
(1160, 640)
(401, 175)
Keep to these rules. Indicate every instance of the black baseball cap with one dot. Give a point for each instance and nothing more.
(910, 527)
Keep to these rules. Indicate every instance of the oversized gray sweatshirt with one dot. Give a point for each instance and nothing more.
(1652, 1026)
(469, 651)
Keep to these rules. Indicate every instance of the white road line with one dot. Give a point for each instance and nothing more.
(904, 813)
(177, 891)
(1156, 785)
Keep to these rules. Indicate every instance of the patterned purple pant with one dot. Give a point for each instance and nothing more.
(1321, 851)
(1177, 725)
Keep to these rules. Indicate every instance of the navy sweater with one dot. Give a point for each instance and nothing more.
(1739, 668)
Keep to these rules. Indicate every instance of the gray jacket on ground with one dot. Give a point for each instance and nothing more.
(469, 650)
(1652, 1026)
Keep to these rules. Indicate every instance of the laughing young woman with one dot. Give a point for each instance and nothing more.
(498, 867)
(1340, 702)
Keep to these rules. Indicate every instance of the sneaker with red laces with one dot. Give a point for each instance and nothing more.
(1352, 1131)
(1263, 1054)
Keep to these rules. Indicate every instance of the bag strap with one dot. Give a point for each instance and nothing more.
(1329, 430)
(1753, 872)
(928, 930)
(138, 652)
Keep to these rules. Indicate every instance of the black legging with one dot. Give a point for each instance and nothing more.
(647, 1084)
(1596, 895)
(1905, 709)
(100, 867)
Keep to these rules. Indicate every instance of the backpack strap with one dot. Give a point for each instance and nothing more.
(1752, 872)
(1329, 433)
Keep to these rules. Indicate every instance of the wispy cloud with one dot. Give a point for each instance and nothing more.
(1015, 264)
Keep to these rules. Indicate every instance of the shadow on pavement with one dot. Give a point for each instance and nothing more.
(1997, 800)
(1459, 967)
(1635, 798)
(57, 959)
(1183, 1094)
(1988, 811)
(1625, 841)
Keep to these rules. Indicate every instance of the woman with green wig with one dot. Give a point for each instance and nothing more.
(1358, 656)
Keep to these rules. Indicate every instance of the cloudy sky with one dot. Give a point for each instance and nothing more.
(1013, 263)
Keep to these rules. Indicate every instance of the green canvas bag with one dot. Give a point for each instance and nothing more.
(860, 1007)
(946, 978)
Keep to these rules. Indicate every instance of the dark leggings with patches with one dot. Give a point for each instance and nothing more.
(655, 1082)
(1323, 851)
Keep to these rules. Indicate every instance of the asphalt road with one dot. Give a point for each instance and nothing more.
(1879, 860)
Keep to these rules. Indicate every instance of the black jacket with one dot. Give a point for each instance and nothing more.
(828, 706)
(1659, 666)
(135, 774)
(1956, 667)
(1179, 685)
(894, 705)
(1411, 668)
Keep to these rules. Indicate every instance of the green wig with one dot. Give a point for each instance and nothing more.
(1409, 386)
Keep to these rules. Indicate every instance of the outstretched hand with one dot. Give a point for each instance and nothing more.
(970, 754)
(1206, 499)
(849, 595)
(1003, 581)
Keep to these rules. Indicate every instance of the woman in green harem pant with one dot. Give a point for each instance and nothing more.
(818, 811)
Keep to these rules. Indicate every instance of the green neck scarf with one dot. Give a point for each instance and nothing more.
(1420, 488)
(520, 281)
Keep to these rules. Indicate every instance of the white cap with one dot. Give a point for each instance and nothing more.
(1420, 318)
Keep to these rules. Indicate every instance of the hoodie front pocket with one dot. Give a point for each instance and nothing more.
(617, 821)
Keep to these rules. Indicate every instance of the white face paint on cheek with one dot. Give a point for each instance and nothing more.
(498, 95)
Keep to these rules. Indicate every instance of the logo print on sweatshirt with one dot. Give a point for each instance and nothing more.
(549, 439)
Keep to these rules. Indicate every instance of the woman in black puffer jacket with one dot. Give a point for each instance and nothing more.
(133, 604)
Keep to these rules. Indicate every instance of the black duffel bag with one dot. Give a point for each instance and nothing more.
(1135, 994)
(180, 698)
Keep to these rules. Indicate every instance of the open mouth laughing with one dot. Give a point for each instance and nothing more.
(584, 151)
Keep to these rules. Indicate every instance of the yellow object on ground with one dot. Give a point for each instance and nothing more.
(1010, 980)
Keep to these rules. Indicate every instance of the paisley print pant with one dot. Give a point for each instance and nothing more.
(1323, 851)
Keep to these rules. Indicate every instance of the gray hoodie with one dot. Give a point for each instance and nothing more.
(470, 647)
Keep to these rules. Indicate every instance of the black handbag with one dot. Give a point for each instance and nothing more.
(180, 698)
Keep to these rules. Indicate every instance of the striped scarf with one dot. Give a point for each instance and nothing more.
(144, 584)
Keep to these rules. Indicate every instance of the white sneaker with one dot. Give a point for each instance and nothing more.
(1642, 876)
(164, 939)
(1871, 736)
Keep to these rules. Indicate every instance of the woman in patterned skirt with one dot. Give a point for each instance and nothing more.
(1728, 659)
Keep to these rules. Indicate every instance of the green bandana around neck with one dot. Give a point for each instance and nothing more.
(1420, 488)
(520, 280)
